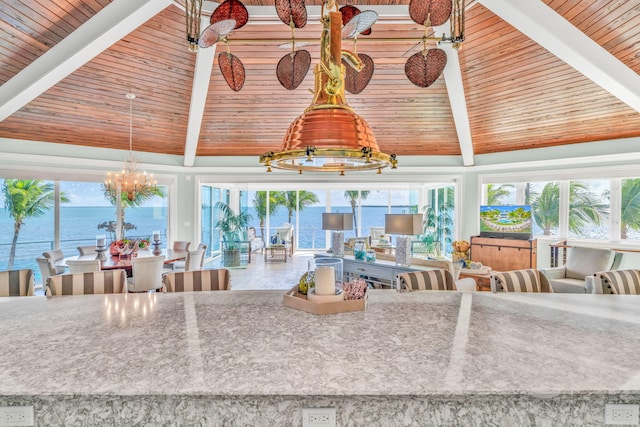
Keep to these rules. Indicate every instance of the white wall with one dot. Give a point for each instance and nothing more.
(59, 161)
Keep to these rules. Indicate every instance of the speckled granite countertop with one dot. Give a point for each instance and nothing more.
(241, 343)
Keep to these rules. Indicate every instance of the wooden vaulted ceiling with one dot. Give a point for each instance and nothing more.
(511, 92)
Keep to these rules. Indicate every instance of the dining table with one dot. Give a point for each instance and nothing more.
(113, 262)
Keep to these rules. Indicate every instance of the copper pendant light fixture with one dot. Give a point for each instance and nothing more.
(329, 136)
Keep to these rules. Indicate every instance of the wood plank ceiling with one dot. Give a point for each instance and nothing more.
(517, 93)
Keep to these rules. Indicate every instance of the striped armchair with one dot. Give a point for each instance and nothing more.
(621, 282)
(95, 282)
(198, 280)
(520, 281)
(16, 283)
(434, 280)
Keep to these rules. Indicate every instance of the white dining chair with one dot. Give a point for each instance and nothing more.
(181, 245)
(83, 265)
(193, 261)
(87, 250)
(47, 269)
(147, 274)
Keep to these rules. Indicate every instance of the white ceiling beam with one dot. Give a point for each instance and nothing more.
(455, 89)
(199, 91)
(458, 101)
(550, 30)
(105, 28)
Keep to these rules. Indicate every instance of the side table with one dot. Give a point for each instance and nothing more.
(482, 276)
(276, 253)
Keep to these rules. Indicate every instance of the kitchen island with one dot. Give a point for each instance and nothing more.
(242, 358)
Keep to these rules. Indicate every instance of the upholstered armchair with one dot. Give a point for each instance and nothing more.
(581, 263)
(199, 280)
(255, 243)
(621, 261)
(97, 282)
(620, 282)
(16, 283)
(284, 236)
(530, 280)
(429, 280)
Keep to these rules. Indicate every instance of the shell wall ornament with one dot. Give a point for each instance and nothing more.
(292, 68)
(430, 12)
(232, 70)
(356, 81)
(231, 9)
(292, 12)
(424, 68)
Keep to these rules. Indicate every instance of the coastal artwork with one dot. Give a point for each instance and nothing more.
(505, 219)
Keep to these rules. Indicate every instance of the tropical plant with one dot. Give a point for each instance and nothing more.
(584, 207)
(260, 205)
(288, 200)
(352, 196)
(495, 193)
(630, 209)
(436, 228)
(25, 198)
(231, 226)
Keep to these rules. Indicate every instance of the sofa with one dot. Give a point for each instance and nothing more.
(582, 263)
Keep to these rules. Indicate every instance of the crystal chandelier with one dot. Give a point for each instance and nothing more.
(127, 180)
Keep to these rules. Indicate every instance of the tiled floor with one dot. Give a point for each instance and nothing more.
(271, 275)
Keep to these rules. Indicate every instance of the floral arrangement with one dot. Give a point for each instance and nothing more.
(355, 289)
(126, 246)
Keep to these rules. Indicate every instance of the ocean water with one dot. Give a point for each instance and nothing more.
(78, 227)
(310, 233)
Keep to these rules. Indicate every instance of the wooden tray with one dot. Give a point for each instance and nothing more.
(296, 300)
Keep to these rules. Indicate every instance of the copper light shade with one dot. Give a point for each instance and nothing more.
(329, 136)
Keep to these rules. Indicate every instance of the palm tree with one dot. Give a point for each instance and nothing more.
(495, 193)
(139, 197)
(260, 205)
(352, 196)
(630, 210)
(288, 200)
(584, 207)
(437, 224)
(25, 198)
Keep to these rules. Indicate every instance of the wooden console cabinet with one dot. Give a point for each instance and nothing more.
(504, 254)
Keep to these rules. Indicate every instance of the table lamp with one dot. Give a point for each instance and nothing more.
(403, 225)
(337, 222)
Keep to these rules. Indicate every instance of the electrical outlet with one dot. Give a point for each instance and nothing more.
(626, 415)
(16, 416)
(319, 417)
